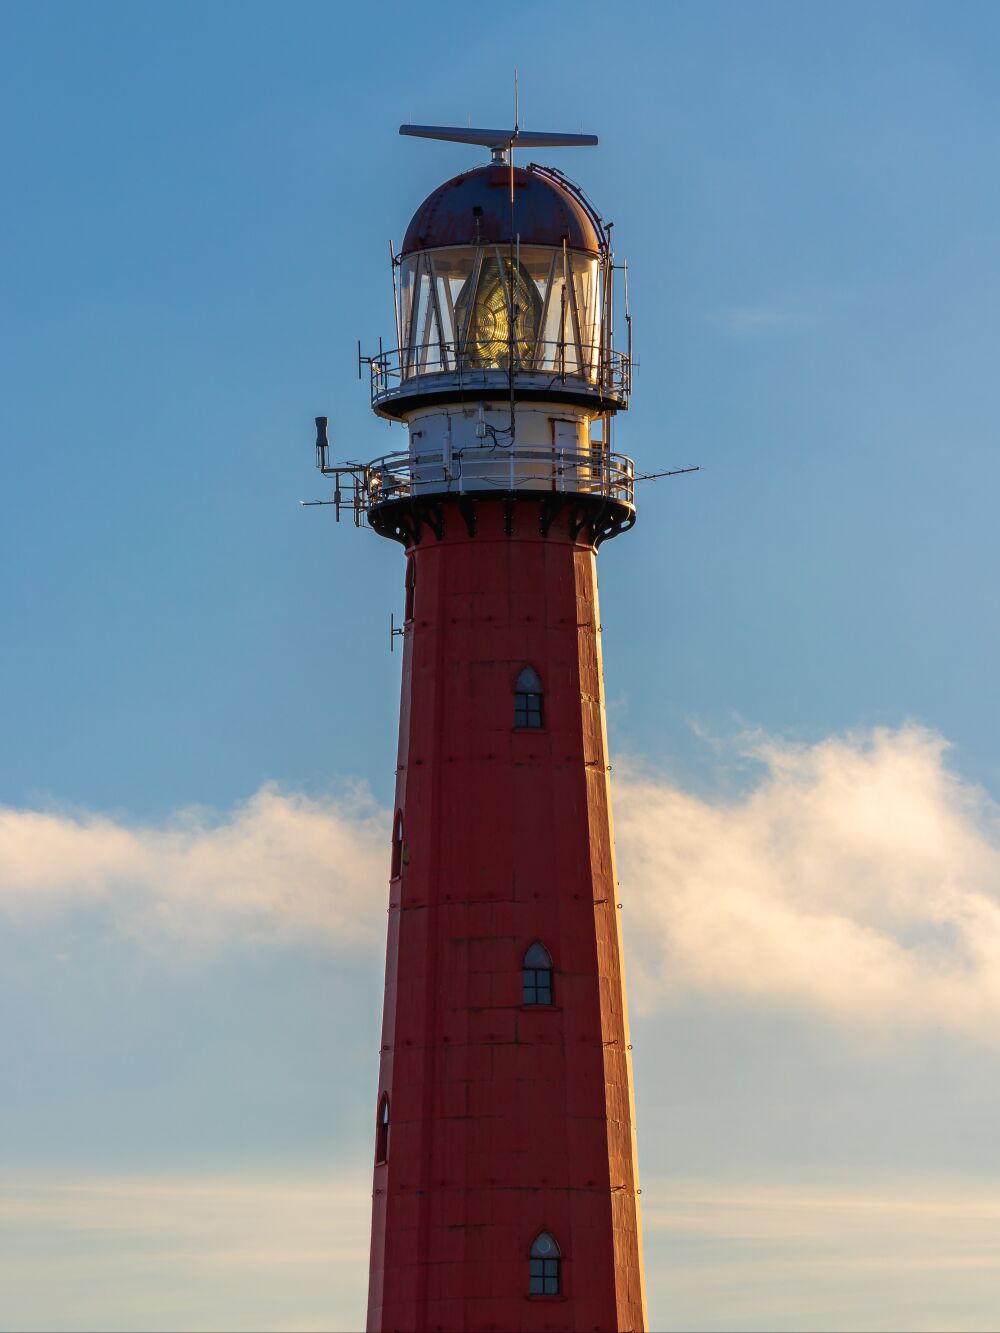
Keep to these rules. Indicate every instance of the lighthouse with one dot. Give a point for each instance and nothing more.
(505, 1187)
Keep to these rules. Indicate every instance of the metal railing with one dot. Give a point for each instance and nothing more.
(597, 370)
(531, 469)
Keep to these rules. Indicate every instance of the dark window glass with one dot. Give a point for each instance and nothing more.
(528, 700)
(537, 985)
(527, 710)
(544, 1277)
(536, 977)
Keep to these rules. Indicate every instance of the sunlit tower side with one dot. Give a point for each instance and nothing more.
(505, 1183)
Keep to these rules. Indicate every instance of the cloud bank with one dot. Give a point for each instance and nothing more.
(282, 868)
(858, 878)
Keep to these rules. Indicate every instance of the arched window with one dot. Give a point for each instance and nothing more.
(528, 700)
(537, 975)
(544, 1277)
(382, 1130)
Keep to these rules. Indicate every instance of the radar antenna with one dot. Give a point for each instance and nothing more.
(499, 142)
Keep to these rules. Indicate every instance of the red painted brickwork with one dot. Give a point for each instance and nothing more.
(506, 1120)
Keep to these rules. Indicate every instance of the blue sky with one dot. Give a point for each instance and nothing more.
(800, 642)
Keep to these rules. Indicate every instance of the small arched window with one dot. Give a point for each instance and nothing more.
(382, 1130)
(397, 845)
(537, 975)
(544, 1277)
(528, 700)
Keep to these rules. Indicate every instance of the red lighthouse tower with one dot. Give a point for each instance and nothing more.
(505, 1181)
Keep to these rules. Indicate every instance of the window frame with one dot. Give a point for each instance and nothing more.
(542, 977)
(545, 1268)
(529, 700)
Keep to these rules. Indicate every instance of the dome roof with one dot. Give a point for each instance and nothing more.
(475, 207)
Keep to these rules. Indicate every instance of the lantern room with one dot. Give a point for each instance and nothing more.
(504, 370)
(487, 281)
(504, 272)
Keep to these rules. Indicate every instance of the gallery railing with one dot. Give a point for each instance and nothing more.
(601, 371)
(501, 468)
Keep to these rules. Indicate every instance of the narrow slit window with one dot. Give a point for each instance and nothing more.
(397, 845)
(528, 713)
(411, 584)
(545, 1277)
(382, 1130)
(536, 986)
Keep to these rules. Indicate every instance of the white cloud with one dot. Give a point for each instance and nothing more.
(859, 878)
(282, 866)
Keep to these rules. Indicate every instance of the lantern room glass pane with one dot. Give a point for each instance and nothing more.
(475, 307)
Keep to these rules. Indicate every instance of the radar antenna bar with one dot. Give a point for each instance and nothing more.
(499, 140)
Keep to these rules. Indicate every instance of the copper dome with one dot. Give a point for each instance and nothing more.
(475, 208)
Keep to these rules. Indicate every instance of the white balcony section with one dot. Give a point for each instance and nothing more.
(520, 469)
